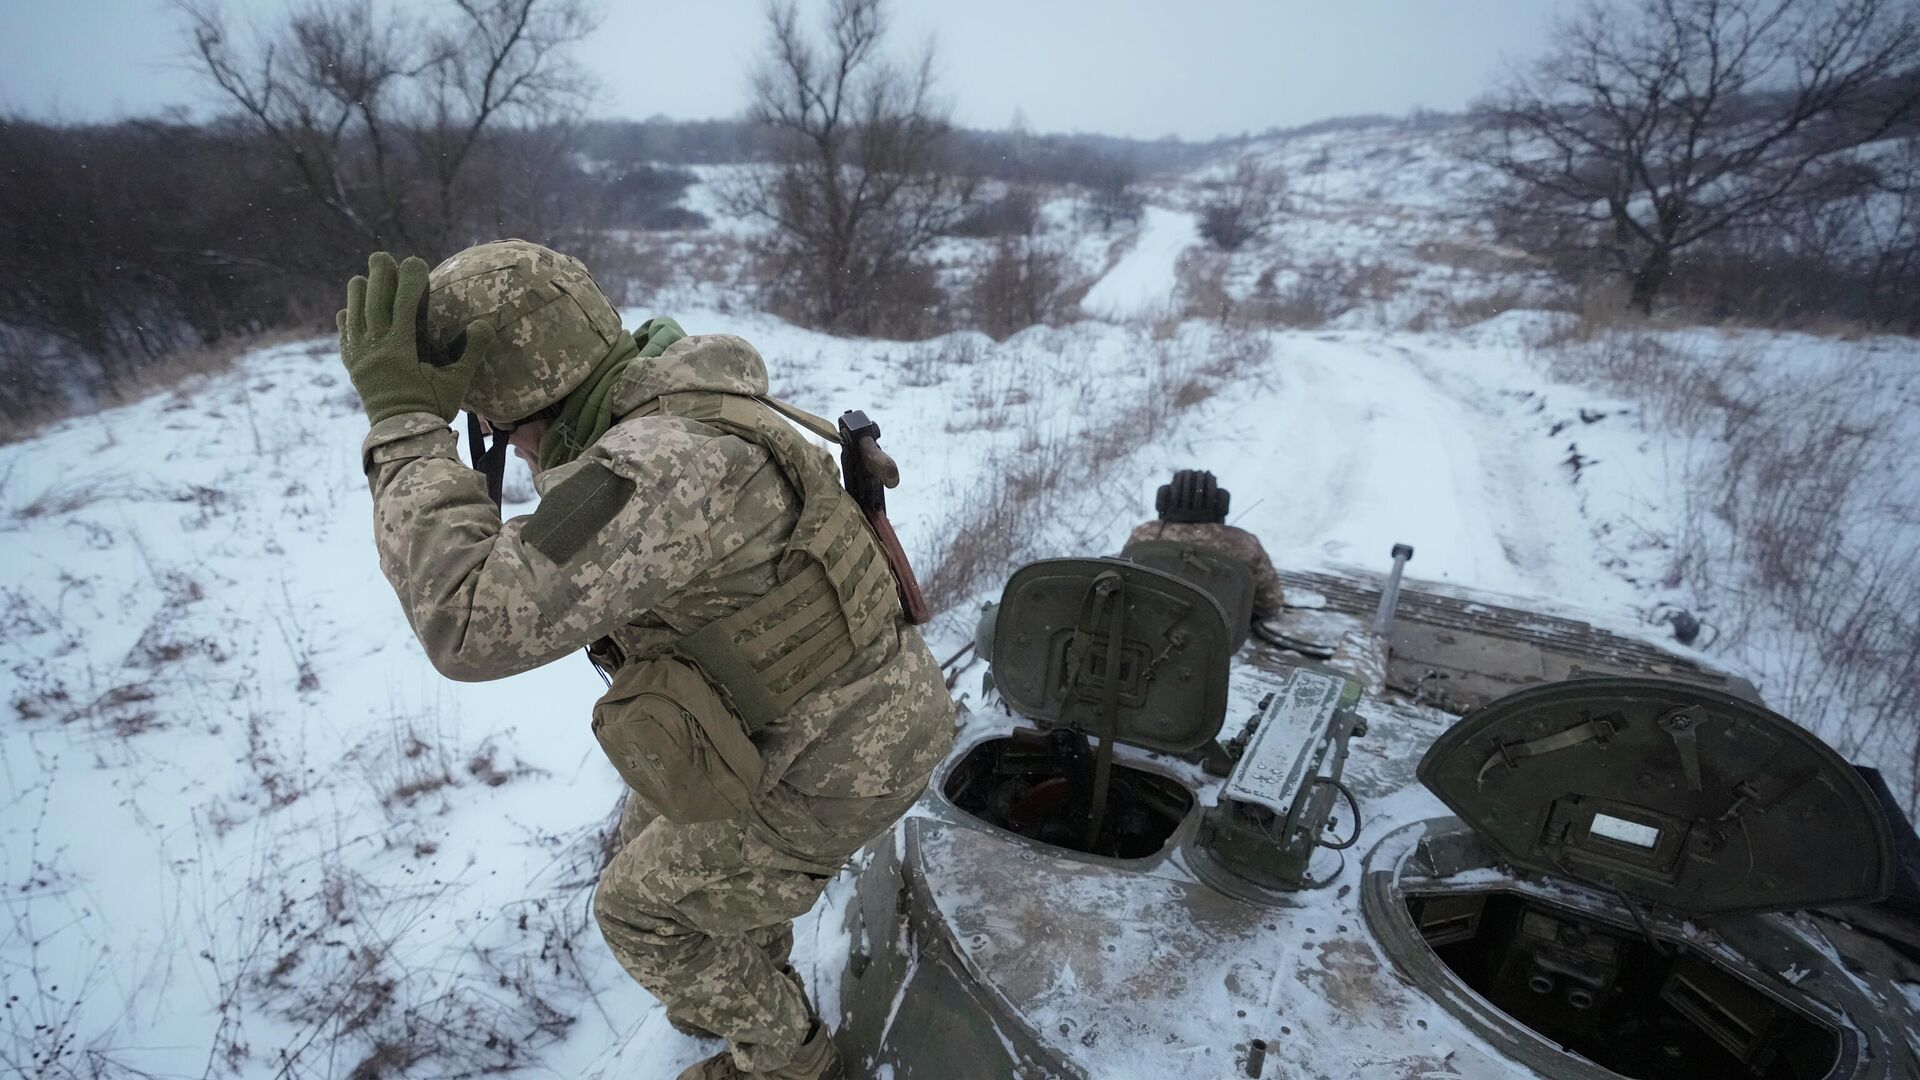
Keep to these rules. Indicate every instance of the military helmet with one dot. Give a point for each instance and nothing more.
(1194, 497)
(552, 324)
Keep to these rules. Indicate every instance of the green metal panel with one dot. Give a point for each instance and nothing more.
(1226, 578)
(1676, 794)
(1176, 648)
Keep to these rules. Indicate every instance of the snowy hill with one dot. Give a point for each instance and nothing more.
(249, 831)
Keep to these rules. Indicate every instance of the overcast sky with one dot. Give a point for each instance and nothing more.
(1191, 68)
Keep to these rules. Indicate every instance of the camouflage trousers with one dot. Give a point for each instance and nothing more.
(702, 915)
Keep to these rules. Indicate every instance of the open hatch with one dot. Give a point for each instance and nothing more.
(1627, 810)
(1675, 795)
(1129, 653)
(1105, 648)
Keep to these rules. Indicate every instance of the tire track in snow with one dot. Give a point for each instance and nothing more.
(1365, 445)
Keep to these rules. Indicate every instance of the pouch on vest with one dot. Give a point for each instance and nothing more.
(675, 742)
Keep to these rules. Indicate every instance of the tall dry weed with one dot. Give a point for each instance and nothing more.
(1055, 488)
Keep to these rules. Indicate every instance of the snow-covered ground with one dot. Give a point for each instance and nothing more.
(248, 831)
(1141, 282)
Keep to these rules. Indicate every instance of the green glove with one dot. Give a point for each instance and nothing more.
(379, 345)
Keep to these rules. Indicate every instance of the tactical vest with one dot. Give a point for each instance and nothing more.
(836, 593)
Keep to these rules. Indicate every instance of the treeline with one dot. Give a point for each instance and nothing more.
(1744, 158)
(124, 245)
(1012, 156)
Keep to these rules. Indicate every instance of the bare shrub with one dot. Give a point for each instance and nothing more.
(128, 243)
(637, 269)
(989, 527)
(642, 195)
(1315, 296)
(1452, 311)
(47, 1028)
(131, 242)
(1477, 259)
(1241, 208)
(1020, 286)
(1016, 213)
(1842, 261)
(1200, 286)
(406, 765)
(988, 404)
(1112, 194)
(1799, 504)
(336, 967)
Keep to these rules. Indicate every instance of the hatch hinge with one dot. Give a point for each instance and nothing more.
(1760, 791)
(1682, 725)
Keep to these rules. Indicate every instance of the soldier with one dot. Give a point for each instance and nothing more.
(770, 707)
(1193, 510)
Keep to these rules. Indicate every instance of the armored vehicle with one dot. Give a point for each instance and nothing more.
(1397, 834)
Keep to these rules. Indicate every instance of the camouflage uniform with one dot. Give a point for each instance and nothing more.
(699, 914)
(1227, 540)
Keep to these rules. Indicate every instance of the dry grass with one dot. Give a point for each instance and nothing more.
(933, 363)
(1598, 304)
(637, 271)
(1017, 505)
(1474, 259)
(333, 965)
(1312, 296)
(1799, 532)
(24, 415)
(1453, 310)
(1800, 503)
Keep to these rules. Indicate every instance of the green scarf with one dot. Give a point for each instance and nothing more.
(587, 412)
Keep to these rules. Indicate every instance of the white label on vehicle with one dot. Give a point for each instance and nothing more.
(1625, 832)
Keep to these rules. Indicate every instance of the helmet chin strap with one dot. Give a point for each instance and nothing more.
(491, 461)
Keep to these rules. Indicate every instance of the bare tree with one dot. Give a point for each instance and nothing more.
(1648, 128)
(1020, 285)
(384, 117)
(1111, 194)
(1244, 206)
(855, 194)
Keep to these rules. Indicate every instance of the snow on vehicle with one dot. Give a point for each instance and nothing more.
(1136, 862)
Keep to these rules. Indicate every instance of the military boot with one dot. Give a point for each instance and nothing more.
(815, 1060)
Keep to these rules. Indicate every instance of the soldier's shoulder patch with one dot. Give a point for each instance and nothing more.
(575, 509)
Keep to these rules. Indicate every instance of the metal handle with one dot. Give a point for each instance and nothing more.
(878, 461)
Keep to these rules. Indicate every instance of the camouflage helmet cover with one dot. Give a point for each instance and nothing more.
(552, 323)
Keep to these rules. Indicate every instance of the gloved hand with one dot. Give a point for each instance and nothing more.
(379, 346)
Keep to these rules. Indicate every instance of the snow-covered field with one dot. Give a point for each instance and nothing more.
(248, 831)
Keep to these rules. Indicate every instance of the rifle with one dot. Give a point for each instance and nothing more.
(867, 471)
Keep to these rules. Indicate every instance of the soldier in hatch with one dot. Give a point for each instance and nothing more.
(770, 707)
(1193, 510)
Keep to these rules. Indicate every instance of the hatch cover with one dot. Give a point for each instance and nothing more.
(1051, 643)
(1675, 794)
